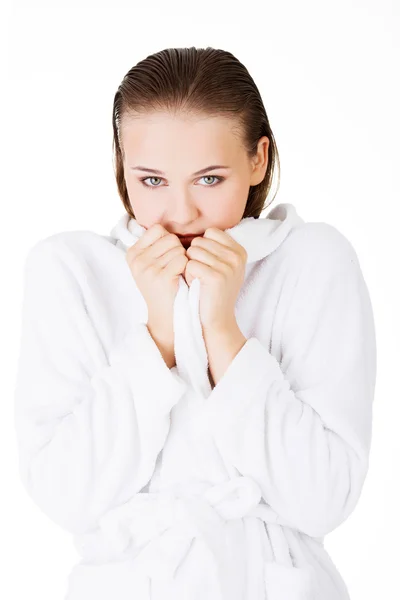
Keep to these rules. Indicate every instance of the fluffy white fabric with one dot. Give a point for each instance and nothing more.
(173, 489)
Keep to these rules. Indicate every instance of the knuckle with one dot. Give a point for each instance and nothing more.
(237, 260)
(158, 228)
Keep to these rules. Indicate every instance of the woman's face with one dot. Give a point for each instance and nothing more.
(162, 155)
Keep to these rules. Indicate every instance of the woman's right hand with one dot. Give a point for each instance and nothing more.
(156, 261)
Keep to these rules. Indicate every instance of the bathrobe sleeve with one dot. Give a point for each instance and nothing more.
(89, 426)
(299, 422)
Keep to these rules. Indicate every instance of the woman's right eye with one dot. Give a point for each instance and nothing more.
(149, 186)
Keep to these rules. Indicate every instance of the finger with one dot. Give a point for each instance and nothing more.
(220, 251)
(148, 238)
(213, 233)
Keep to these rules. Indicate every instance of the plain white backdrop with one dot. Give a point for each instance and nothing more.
(328, 73)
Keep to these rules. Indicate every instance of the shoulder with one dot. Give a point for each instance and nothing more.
(69, 247)
(318, 244)
(73, 241)
(72, 258)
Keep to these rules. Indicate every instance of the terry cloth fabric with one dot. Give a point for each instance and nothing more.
(173, 489)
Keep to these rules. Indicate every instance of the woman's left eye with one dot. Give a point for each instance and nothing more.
(215, 177)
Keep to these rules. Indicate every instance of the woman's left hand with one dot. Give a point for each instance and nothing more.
(219, 262)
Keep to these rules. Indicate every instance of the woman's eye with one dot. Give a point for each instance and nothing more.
(151, 186)
(219, 180)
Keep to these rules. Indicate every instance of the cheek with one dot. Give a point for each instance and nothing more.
(227, 211)
(146, 213)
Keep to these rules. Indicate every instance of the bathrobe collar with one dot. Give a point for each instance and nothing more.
(259, 237)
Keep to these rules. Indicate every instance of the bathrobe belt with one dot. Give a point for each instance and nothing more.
(158, 528)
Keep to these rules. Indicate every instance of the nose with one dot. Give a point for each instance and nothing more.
(183, 213)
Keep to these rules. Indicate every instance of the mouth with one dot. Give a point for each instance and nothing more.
(189, 235)
(187, 239)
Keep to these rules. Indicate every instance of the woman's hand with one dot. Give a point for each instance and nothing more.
(219, 262)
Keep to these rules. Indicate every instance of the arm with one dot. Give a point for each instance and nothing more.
(163, 341)
(89, 426)
(222, 347)
(301, 426)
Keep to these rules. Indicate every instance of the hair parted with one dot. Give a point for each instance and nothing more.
(197, 81)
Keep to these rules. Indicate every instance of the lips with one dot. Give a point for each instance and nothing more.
(186, 241)
(189, 235)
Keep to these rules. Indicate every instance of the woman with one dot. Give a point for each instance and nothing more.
(196, 412)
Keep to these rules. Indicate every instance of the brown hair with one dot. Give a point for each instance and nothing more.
(197, 81)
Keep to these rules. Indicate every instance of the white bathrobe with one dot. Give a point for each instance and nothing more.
(172, 489)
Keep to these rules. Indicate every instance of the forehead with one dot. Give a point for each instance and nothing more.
(158, 133)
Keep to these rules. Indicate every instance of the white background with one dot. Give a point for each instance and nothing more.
(328, 73)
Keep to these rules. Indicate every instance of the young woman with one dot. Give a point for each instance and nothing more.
(196, 411)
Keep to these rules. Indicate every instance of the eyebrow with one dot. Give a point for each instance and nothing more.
(210, 168)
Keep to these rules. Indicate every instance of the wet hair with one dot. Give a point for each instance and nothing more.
(197, 81)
